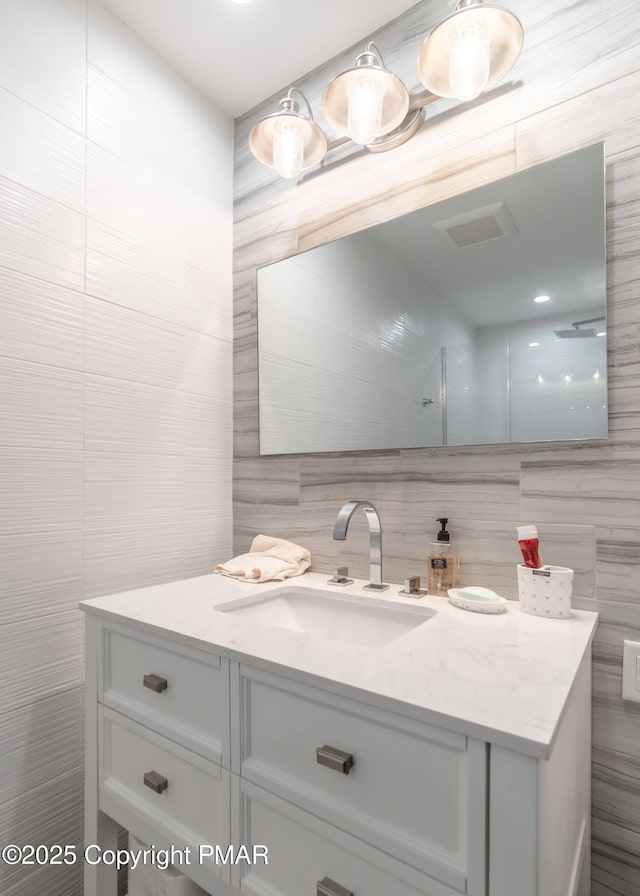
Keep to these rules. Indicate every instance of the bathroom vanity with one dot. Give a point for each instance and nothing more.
(416, 750)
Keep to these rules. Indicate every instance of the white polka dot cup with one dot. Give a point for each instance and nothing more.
(545, 591)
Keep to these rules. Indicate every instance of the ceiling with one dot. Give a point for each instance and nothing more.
(241, 54)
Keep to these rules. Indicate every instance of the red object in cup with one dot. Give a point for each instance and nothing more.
(528, 541)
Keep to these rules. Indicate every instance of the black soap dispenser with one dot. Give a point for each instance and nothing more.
(443, 565)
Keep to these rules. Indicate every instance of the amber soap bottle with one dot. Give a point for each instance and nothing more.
(443, 564)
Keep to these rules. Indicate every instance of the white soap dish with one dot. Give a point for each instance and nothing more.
(477, 599)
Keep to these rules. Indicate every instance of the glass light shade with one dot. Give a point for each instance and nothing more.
(470, 58)
(288, 143)
(364, 112)
(288, 146)
(470, 50)
(365, 102)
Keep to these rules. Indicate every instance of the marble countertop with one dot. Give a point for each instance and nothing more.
(503, 678)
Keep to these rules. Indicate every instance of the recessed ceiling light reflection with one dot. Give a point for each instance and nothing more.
(540, 299)
(534, 344)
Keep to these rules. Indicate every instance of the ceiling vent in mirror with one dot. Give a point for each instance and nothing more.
(479, 225)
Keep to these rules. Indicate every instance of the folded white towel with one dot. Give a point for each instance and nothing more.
(269, 559)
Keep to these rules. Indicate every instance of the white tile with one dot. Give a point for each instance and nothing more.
(285, 383)
(40, 407)
(39, 237)
(132, 557)
(43, 56)
(49, 880)
(50, 812)
(40, 490)
(134, 93)
(208, 427)
(287, 336)
(330, 349)
(127, 345)
(132, 489)
(122, 122)
(41, 741)
(40, 658)
(133, 417)
(40, 153)
(208, 366)
(121, 271)
(208, 489)
(159, 213)
(208, 541)
(40, 321)
(41, 574)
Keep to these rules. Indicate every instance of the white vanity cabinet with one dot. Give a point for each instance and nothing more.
(411, 791)
(193, 740)
(157, 747)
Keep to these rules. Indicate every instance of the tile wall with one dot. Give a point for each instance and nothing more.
(343, 368)
(115, 362)
(578, 82)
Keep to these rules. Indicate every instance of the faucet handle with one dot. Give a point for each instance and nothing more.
(412, 587)
(340, 577)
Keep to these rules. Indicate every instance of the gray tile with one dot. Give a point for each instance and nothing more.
(616, 788)
(603, 493)
(615, 862)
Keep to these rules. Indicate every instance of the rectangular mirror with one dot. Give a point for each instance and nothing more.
(477, 320)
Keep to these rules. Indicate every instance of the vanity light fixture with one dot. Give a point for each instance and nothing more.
(288, 141)
(367, 101)
(468, 52)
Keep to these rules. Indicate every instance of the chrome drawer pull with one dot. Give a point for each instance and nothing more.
(338, 760)
(155, 781)
(155, 683)
(328, 887)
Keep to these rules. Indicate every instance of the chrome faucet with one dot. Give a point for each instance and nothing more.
(375, 538)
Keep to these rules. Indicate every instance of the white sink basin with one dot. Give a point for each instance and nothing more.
(331, 616)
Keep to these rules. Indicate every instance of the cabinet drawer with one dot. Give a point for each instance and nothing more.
(303, 850)
(189, 803)
(415, 791)
(179, 692)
